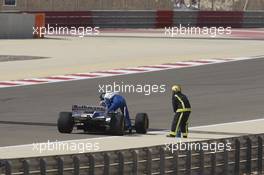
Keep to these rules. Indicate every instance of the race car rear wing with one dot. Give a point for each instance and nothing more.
(88, 108)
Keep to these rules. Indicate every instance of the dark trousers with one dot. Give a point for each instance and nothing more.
(180, 122)
(125, 112)
(121, 104)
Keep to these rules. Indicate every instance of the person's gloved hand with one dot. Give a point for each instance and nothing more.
(103, 103)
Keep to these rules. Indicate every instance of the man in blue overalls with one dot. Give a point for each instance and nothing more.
(113, 102)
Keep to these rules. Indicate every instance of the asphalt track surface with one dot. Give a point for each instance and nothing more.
(219, 93)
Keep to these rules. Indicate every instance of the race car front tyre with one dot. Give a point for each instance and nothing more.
(65, 122)
(141, 123)
(117, 124)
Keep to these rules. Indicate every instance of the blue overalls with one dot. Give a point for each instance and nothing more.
(118, 102)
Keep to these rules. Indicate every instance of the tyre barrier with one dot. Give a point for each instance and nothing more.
(68, 19)
(124, 19)
(220, 19)
(154, 19)
(244, 157)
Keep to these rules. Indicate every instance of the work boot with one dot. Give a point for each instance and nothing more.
(129, 129)
(185, 135)
(171, 134)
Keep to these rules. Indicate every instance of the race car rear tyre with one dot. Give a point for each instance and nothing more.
(141, 123)
(65, 122)
(117, 124)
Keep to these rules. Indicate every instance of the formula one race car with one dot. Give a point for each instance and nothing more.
(95, 118)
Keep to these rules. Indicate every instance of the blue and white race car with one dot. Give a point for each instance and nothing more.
(95, 118)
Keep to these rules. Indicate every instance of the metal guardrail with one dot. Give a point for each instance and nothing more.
(245, 157)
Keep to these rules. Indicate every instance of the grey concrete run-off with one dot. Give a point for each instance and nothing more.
(16, 26)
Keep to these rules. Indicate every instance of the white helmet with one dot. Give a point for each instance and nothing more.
(110, 95)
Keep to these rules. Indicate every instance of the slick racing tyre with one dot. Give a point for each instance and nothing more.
(65, 122)
(141, 123)
(117, 124)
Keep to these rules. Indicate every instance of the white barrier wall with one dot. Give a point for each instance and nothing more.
(16, 26)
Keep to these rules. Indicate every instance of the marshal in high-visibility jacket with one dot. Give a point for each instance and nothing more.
(182, 110)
